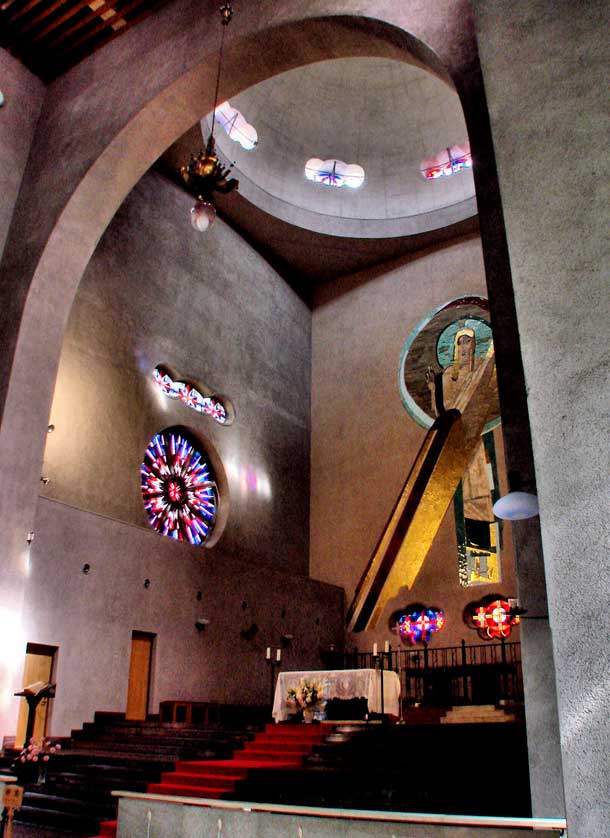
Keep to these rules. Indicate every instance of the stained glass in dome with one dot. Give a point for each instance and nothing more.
(236, 126)
(449, 161)
(334, 172)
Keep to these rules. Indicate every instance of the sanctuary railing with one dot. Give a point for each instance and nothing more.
(452, 675)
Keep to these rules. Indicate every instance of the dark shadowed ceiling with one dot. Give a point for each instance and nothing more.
(50, 36)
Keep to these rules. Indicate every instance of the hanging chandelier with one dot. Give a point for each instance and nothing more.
(205, 174)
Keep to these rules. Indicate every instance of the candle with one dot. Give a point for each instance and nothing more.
(374, 650)
(268, 655)
(386, 648)
(278, 655)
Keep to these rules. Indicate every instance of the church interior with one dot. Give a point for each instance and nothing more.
(294, 297)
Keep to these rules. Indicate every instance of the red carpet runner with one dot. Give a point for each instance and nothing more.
(279, 746)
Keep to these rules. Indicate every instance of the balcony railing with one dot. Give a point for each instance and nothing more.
(478, 674)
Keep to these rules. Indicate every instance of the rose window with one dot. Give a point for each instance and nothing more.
(178, 488)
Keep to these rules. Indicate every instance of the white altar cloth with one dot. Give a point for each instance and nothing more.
(342, 683)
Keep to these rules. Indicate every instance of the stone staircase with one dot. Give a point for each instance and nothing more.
(110, 754)
(280, 746)
(482, 714)
(418, 768)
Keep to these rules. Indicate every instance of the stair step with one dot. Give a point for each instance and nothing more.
(274, 756)
(70, 804)
(59, 820)
(275, 748)
(211, 780)
(176, 790)
(281, 736)
(219, 767)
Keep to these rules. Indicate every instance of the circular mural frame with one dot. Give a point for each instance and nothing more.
(429, 347)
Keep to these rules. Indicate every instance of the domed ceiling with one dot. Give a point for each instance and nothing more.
(386, 116)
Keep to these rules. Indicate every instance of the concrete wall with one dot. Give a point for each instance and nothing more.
(161, 819)
(157, 292)
(549, 92)
(90, 617)
(363, 440)
(23, 96)
(208, 306)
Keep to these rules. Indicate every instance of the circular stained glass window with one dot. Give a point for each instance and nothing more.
(178, 488)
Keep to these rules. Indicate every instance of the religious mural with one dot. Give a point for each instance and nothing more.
(448, 385)
(439, 362)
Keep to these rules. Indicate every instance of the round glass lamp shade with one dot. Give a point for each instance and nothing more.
(178, 488)
(516, 506)
(203, 215)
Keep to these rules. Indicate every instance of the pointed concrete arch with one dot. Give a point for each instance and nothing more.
(105, 123)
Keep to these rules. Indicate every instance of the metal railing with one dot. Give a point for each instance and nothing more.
(478, 674)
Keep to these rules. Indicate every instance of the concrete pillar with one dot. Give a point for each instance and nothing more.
(544, 66)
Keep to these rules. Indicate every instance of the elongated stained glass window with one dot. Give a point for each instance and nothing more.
(190, 396)
(178, 488)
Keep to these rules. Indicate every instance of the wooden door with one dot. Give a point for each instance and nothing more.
(139, 676)
(38, 667)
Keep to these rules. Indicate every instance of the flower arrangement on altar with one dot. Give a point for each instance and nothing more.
(35, 753)
(305, 695)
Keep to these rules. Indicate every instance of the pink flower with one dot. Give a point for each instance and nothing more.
(58, 747)
(45, 759)
(35, 759)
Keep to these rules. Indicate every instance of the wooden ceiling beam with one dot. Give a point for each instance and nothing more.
(106, 25)
(51, 36)
(44, 13)
(20, 11)
(76, 8)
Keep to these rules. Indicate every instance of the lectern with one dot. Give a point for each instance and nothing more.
(34, 694)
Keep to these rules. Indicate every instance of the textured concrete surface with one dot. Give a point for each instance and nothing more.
(169, 820)
(210, 308)
(549, 93)
(90, 616)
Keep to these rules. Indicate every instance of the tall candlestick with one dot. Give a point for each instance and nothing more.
(278, 655)
(268, 654)
(374, 650)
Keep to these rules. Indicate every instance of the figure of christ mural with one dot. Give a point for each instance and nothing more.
(477, 501)
(455, 404)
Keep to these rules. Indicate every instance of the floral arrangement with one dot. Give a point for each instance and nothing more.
(35, 753)
(305, 695)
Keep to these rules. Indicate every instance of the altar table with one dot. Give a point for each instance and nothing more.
(342, 683)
